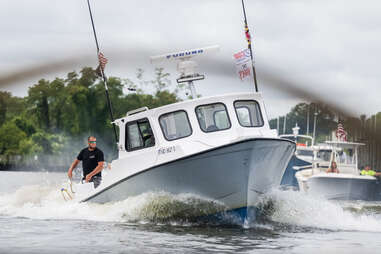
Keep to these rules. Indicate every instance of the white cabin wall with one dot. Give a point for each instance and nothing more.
(199, 140)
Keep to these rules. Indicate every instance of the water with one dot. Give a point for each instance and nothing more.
(34, 218)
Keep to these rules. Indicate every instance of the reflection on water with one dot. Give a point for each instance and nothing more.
(32, 209)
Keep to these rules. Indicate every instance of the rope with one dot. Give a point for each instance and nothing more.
(66, 193)
(71, 186)
(63, 191)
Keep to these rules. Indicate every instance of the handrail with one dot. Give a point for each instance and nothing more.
(138, 110)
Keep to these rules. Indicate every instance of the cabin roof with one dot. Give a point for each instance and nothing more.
(344, 144)
(194, 102)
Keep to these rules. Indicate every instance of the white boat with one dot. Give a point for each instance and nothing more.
(302, 158)
(348, 184)
(220, 148)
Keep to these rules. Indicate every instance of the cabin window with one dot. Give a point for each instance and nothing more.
(139, 135)
(213, 117)
(175, 125)
(248, 113)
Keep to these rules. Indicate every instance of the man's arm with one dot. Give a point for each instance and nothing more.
(95, 171)
(72, 167)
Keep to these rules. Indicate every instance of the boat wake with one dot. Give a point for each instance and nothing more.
(285, 208)
(298, 209)
(46, 202)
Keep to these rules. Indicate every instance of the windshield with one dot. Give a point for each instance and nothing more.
(324, 155)
(305, 153)
(346, 156)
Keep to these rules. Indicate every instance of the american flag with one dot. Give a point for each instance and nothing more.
(341, 134)
(102, 60)
(102, 64)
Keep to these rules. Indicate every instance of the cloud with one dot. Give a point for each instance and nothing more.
(331, 47)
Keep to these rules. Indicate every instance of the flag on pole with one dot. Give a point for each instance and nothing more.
(341, 134)
(243, 64)
(247, 34)
(102, 64)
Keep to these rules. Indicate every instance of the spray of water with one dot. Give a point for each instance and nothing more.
(295, 208)
(46, 202)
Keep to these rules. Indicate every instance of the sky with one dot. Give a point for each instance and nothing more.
(330, 48)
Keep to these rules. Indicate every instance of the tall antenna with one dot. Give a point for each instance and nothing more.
(101, 67)
(248, 38)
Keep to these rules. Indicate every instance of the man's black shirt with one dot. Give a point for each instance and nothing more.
(90, 160)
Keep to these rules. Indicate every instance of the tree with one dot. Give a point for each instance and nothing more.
(10, 106)
(56, 116)
(325, 120)
(38, 96)
(10, 138)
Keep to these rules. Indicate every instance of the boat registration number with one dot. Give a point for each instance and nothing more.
(165, 150)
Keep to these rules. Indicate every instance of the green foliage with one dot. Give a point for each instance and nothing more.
(10, 138)
(56, 115)
(24, 124)
(10, 106)
(326, 122)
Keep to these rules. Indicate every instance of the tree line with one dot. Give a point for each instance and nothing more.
(49, 125)
(52, 122)
(366, 130)
(303, 114)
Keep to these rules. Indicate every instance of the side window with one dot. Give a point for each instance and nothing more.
(139, 135)
(213, 117)
(248, 113)
(175, 125)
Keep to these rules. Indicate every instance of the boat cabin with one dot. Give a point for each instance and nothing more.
(186, 127)
(345, 154)
(304, 143)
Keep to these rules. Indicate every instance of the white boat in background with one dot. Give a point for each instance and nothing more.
(348, 184)
(302, 158)
(304, 150)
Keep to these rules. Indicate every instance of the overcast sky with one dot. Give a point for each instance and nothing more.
(332, 48)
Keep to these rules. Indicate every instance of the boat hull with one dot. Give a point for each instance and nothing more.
(289, 179)
(344, 188)
(234, 175)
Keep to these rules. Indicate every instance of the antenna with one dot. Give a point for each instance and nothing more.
(295, 130)
(186, 67)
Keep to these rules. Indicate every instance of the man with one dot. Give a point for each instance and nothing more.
(92, 163)
(369, 172)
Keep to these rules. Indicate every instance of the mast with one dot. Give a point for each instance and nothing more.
(308, 120)
(248, 38)
(101, 67)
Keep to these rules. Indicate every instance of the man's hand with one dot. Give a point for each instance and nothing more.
(88, 178)
(72, 167)
(70, 173)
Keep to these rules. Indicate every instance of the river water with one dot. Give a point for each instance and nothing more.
(35, 218)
